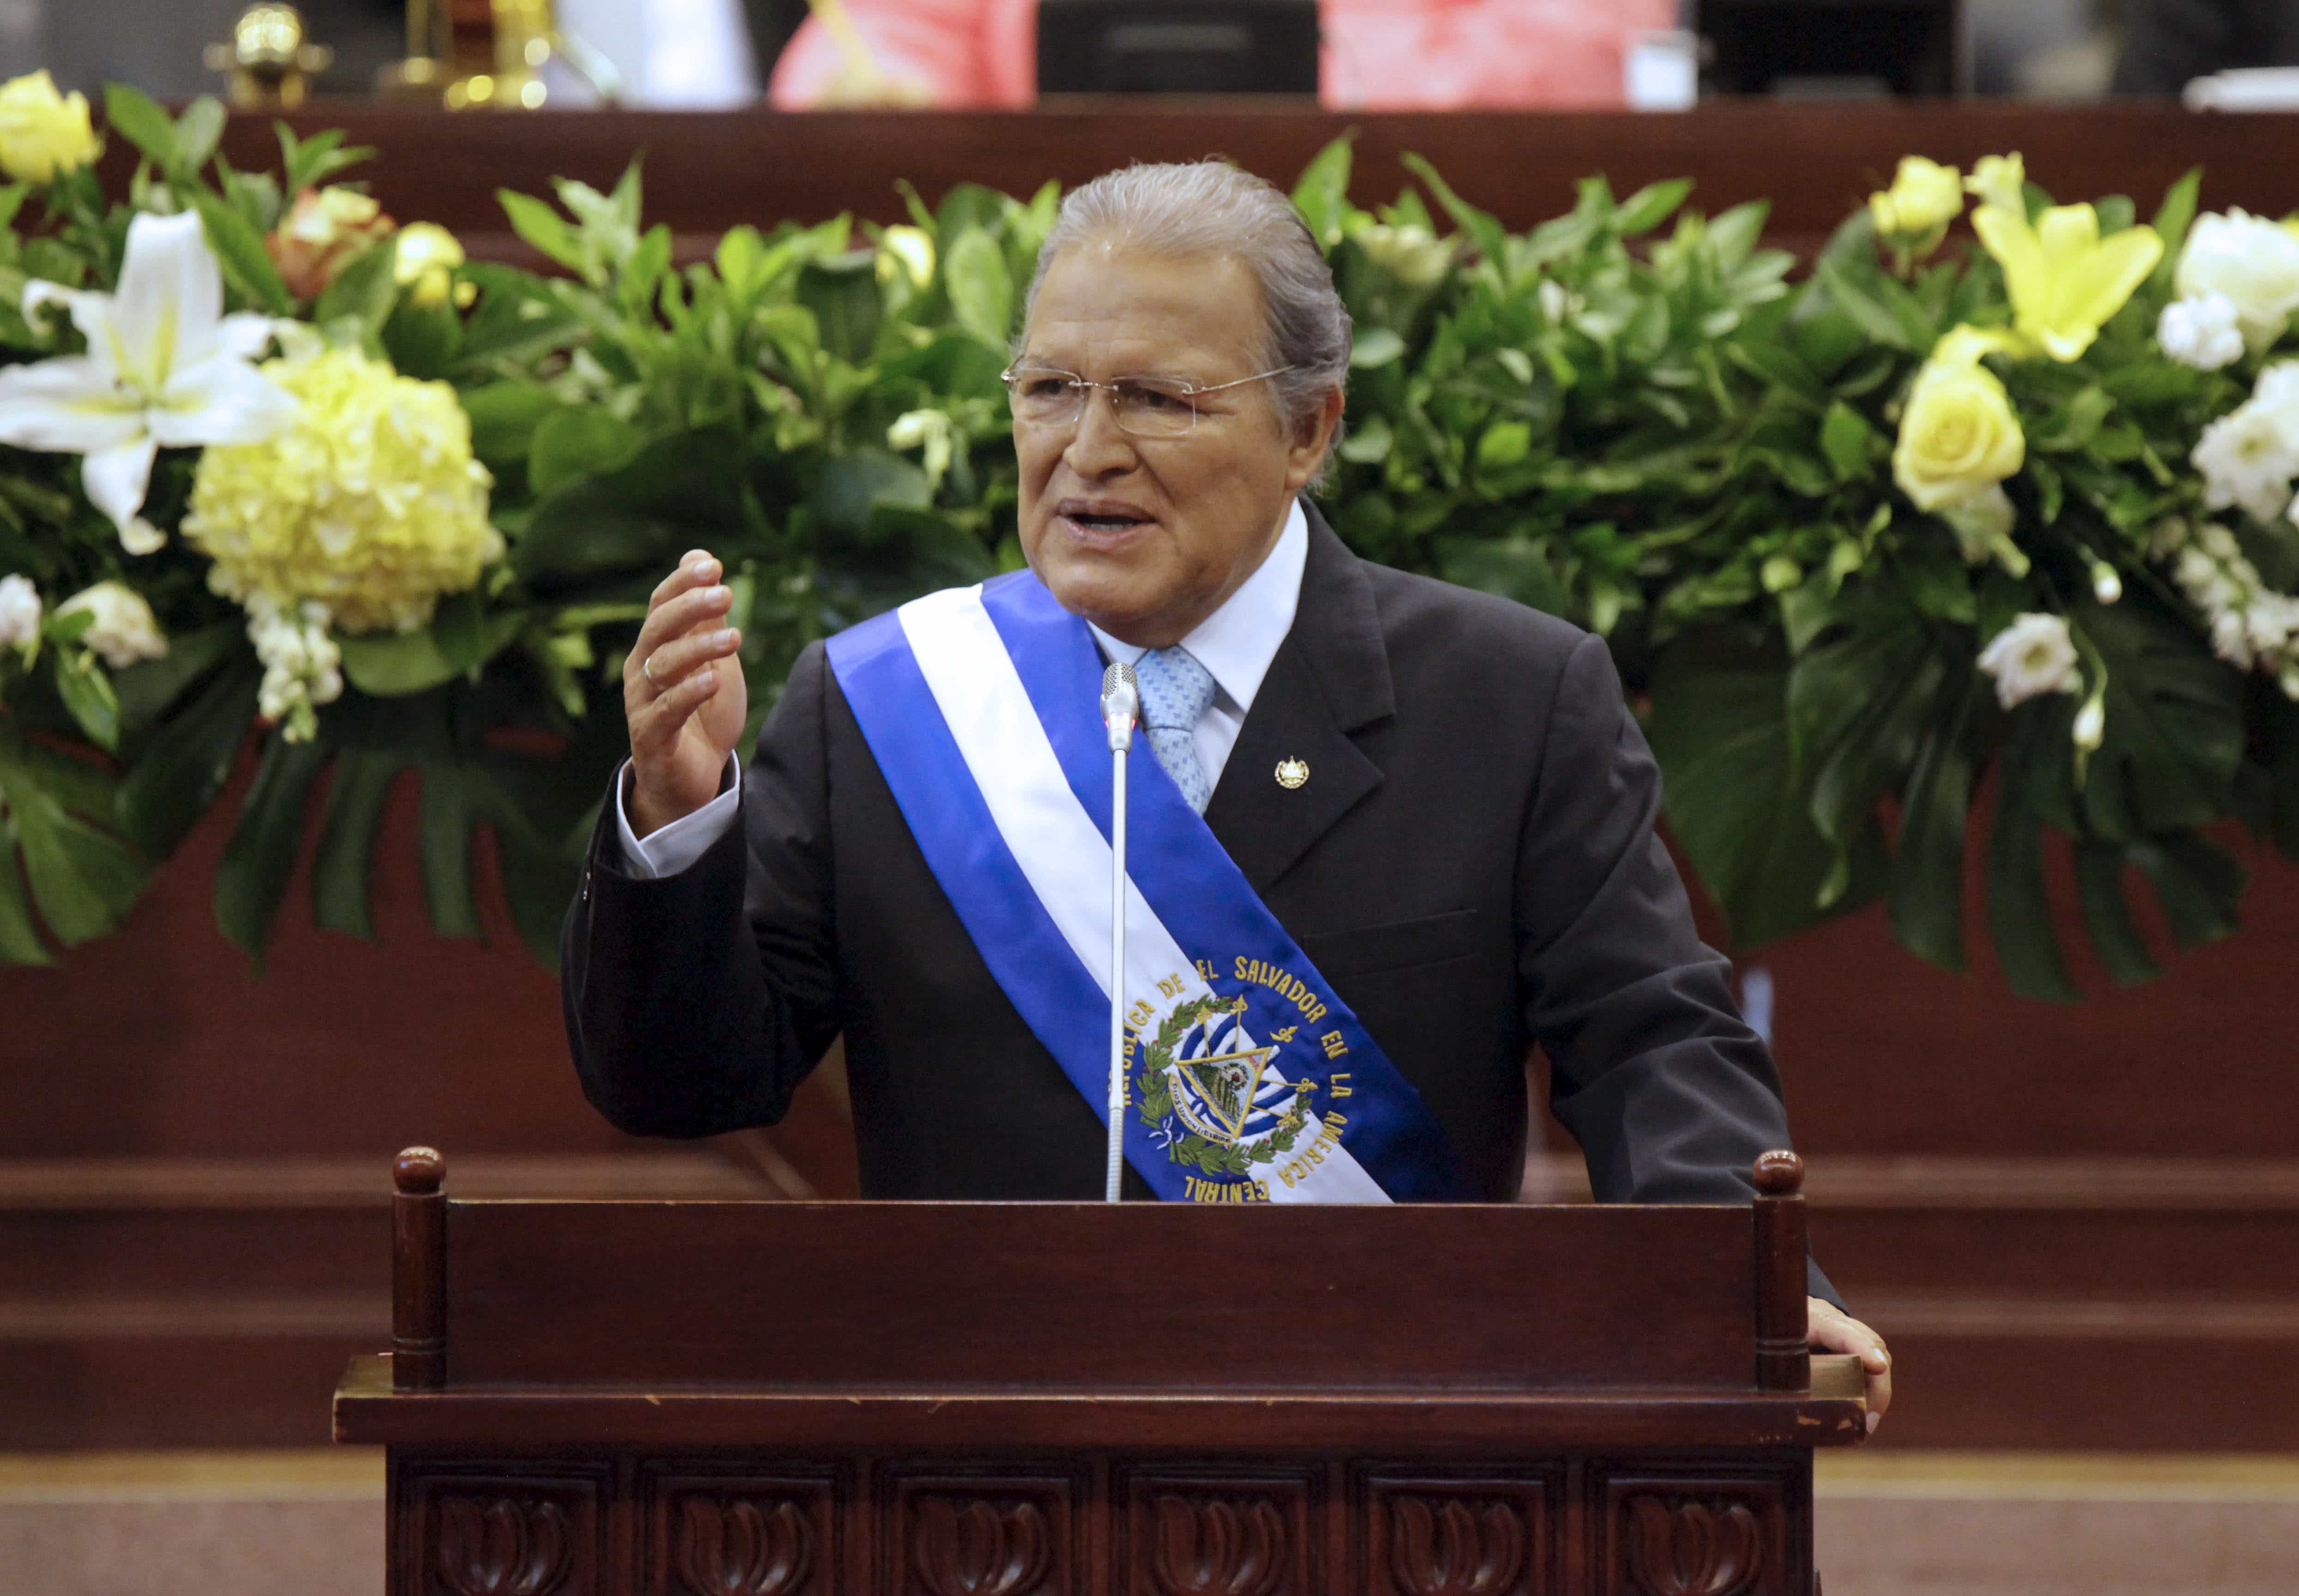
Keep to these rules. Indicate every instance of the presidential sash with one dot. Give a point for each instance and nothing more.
(1248, 1079)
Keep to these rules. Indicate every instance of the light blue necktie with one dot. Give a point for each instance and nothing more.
(1175, 689)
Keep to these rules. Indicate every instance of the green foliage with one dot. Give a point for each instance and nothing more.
(1633, 415)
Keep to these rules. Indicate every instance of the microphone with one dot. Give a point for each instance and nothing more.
(1121, 704)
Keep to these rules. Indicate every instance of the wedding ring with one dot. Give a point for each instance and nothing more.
(646, 669)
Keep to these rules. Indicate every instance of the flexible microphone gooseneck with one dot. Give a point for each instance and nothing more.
(1121, 704)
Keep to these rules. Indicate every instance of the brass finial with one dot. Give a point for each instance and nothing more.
(269, 58)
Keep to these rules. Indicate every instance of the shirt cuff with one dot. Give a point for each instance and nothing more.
(679, 844)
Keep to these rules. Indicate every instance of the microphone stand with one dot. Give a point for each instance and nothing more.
(1120, 701)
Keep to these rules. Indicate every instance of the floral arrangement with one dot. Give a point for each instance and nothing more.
(278, 468)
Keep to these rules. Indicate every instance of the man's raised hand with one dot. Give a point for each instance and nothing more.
(683, 694)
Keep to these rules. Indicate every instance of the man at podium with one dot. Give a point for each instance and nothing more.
(1391, 833)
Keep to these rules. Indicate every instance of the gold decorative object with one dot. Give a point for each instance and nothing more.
(269, 58)
(1292, 772)
(474, 54)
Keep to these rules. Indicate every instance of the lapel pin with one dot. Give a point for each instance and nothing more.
(1292, 772)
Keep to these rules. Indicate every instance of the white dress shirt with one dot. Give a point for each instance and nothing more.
(1235, 644)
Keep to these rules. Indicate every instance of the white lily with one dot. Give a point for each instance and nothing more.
(165, 367)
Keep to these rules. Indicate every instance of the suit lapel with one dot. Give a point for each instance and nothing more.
(1330, 677)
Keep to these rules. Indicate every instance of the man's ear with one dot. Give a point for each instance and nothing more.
(1314, 438)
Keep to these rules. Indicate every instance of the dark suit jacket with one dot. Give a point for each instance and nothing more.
(1471, 864)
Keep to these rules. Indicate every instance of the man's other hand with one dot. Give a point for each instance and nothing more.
(683, 694)
(1833, 1330)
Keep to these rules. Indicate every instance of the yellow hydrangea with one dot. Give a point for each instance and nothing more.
(367, 503)
(43, 134)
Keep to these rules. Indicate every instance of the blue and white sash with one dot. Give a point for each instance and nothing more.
(1249, 1080)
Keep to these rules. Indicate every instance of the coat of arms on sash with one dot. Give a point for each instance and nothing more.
(1218, 1101)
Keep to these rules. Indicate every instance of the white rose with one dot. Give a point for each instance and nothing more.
(2033, 655)
(2249, 455)
(2201, 331)
(19, 612)
(124, 630)
(2253, 261)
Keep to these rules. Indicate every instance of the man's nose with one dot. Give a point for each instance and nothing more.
(1099, 447)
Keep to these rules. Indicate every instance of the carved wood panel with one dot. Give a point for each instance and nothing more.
(502, 1534)
(733, 1532)
(1459, 1535)
(1182, 1533)
(985, 1535)
(1724, 1534)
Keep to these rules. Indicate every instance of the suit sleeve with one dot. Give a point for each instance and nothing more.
(1669, 1091)
(696, 1003)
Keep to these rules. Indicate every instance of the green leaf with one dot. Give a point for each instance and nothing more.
(520, 317)
(1856, 714)
(20, 939)
(391, 665)
(252, 878)
(1322, 194)
(239, 249)
(2173, 218)
(364, 290)
(446, 832)
(187, 758)
(83, 880)
(843, 295)
(544, 230)
(504, 416)
(2196, 881)
(538, 884)
(138, 117)
(2175, 729)
(1720, 731)
(311, 162)
(2019, 924)
(361, 782)
(980, 291)
(87, 692)
(1651, 205)
(854, 483)
(1864, 304)
(1927, 902)
(1374, 347)
(150, 687)
(676, 493)
(1848, 442)
(1514, 568)
(2107, 914)
(572, 443)
(1491, 239)
(197, 132)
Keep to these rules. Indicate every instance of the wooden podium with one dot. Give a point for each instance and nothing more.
(973, 1399)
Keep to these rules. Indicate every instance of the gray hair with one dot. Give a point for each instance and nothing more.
(1207, 209)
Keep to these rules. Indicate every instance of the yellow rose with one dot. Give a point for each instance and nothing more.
(1925, 197)
(43, 136)
(426, 261)
(2001, 181)
(2065, 281)
(1958, 435)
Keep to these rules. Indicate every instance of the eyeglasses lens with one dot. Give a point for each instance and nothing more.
(1144, 408)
